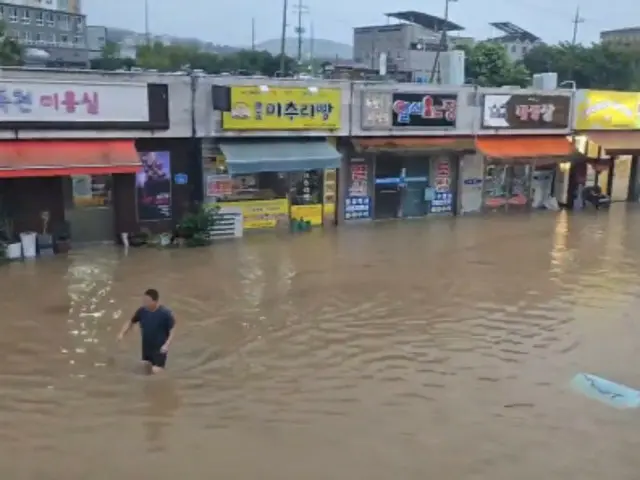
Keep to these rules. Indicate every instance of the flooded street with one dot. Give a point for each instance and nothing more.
(405, 351)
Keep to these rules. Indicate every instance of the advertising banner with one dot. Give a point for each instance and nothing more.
(73, 102)
(259, 214)
(283, 108)
(153, 187)
(526, 112)
(607, 110)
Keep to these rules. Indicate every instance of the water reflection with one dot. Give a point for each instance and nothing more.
(395, 350)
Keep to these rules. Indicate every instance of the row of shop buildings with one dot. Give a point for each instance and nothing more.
(108, 153)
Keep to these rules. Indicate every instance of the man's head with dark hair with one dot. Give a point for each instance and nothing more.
(151, 297)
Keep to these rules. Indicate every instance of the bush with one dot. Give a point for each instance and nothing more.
(195, 228)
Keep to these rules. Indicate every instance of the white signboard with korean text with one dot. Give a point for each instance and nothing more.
(55, 102)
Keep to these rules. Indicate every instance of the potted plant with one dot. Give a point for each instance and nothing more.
(195, 228)
(62, 238)
(45, 239)
(13, 247)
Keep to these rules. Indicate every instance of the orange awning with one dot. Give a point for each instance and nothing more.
(516, 147)
(41, 158)
(413, 143)
(615, 142)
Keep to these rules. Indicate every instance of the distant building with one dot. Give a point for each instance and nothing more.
(622, 37)
(59, 36)
(405, 47)
(516, 40)
(68, 6)
(96, 40)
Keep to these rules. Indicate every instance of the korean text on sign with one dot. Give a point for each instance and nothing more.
(69, 101)
(292, 110)
(535, 112)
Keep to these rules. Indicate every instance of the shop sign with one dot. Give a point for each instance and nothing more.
(283, 108)
(526, 112)
(218, 186)
(359, 181)
(261, 214)
(606, 110)
(375, 113)
(442, 197)
(424, 110)
(153, 187)
(72, 102)
(357, 208)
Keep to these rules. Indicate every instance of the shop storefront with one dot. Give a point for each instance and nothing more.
(607, 134)
(518, 168)
(94, 187)
(275, 180)
(413, 172)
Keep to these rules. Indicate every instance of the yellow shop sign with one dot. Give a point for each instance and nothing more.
(311, 213)
(283, 108)
(608, 110)
(261, 213)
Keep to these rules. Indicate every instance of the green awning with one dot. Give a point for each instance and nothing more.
(244, 157)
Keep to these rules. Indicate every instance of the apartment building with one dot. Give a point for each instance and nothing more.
(59, 36)
(622, 37)
(68, 6)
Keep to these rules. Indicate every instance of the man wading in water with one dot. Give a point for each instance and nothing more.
(157, 327)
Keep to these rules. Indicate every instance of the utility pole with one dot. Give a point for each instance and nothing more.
(444, 42)
(253, 34)
(283, 36)
(312, 41)
(301, 9)
(147, 33)
(577, 20)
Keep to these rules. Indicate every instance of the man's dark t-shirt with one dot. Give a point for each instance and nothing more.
(155, 327)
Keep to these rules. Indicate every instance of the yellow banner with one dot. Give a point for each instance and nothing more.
(261, 213)
(283, 108)
(312, 213)
(608, 110)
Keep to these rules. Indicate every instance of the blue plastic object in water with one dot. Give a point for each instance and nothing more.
(606, 391)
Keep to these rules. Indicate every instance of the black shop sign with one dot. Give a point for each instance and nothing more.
(424, 110)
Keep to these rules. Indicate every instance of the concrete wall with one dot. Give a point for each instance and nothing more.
(208, 121)
(179, 102)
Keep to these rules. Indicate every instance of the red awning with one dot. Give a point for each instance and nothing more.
(55, 158)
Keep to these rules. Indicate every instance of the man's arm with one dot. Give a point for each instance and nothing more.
(171, 325)
(127, 326)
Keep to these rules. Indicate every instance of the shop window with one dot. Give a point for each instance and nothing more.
(306, 187)
(88, 191)
(507, 185)
(259, 186)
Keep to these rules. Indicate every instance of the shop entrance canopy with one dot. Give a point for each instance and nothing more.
(54, 158)
(514, 147)
(246, 157)
(617, 142)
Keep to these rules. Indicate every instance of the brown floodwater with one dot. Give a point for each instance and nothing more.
(409, 350)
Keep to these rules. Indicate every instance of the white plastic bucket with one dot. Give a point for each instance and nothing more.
(29, 243)
(14, 251)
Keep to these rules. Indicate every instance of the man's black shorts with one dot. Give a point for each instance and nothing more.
(157, 359)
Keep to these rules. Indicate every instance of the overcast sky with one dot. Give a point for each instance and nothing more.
(229, 22)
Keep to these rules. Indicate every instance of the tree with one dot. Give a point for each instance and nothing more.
(599, 66)
(11, 53)
(488, 65)
(111, 59)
